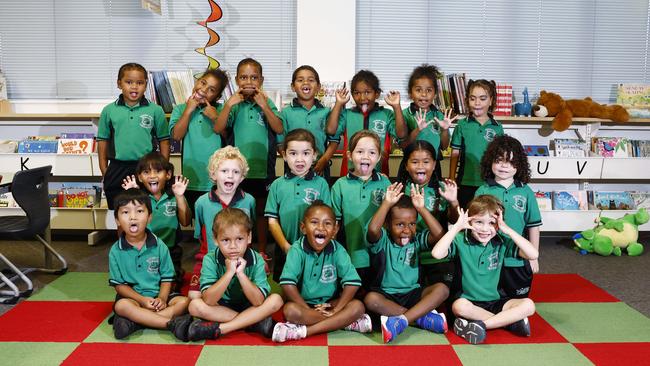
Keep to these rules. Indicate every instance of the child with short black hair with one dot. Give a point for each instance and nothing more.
(143, 294)
(506, 170)
(126, 129)
(480, 240)
(317, 268)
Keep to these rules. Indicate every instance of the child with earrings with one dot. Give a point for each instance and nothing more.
(125, 131)
(480, 240)
(506, 170)
(292, 193)
(357, 196)
(471, 137)
(367, 115)
(253, 122)
(193, 122)
(305, 111)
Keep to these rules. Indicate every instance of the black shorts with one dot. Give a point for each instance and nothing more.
(515, 282)
(115, 173)
(406, 299)
(258, 188)
(433, 273)
(238, 307)
(495, 306)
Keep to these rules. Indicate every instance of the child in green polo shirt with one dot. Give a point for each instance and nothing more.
(506, 170)
(480, 240)
(235, 293)
(140, 269)
(357, 195)
(169, 206)
(367, 115)
(316, 270)
(193, 122)
(253, 122)
(471, 137)
(290, 194)
(126, 130)
(305, 111)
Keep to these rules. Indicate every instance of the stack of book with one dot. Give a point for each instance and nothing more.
(451, 92)
(66, 143)
(504, 100)
(592, 200)
(620, 147)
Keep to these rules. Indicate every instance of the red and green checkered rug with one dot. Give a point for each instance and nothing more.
(576, 323)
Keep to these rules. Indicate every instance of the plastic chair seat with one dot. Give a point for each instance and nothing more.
(14, 225)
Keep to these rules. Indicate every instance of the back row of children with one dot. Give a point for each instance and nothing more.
(385, 262)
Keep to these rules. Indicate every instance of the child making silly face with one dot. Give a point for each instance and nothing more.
(480, 101)
(299, 156)
(319, 227)
(365, 156)
(133, 83)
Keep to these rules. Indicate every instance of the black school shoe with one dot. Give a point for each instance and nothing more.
(123, 327)
(201, 329)
(179, 326)
(520, 328)
(263, 327)
(472, 331)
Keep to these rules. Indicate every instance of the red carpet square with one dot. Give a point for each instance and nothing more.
(52, 321)
(97, 354)
(541, 332)
(241, 338)
(394, 356)
(567, 288)
(616, 354)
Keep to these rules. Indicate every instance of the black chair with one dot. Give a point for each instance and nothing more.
(29, 190)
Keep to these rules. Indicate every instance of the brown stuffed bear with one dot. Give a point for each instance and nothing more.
(565, 110)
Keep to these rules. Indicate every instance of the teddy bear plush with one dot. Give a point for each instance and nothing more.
(565, 110)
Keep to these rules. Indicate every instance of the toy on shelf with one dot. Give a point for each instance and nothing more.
(610, 235)
(524, 108)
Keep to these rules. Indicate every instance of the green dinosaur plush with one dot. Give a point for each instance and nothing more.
(610, 235)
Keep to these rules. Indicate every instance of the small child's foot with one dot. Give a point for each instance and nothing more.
(201, 329)
(263, 327)
(123, 327)
(361, 325)
(179, 326)
(391, 326)
(433, 321)
(520, 328)
(472, 331)
(288, 332)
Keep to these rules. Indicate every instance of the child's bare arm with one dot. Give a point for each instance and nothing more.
(393, 100)
(251, 291)
(526, 249)
(293, 295)
(213, 294)
(342, 97)
(128, 292)
(274, 121)
(346, 296)
(276, 231)
(182, 208)
(533, 237)
(441, 249)
(102, 155)
(222, 119)
(435, 229)
(393, 194)
(164, 148)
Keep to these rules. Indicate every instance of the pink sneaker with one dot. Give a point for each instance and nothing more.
(361, 325)
(288, 332)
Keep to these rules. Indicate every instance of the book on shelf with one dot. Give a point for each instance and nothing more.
(544, 200)
(74, 146)
(504, 100)
(7, 200)
(570, 148)
(641, 199)
(452, 89)
(569, 200)
(536, 150)
(635, 98)
(73, 194)
(37, 146)
(611, 200)
(171, 88)
(611, 147)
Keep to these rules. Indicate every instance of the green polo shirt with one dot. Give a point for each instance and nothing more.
(289, 197)
(520, 210)
(480, 265)
(142, 269)
(431, 133)
(254, 137)
(130, 130)
(209, 205)
(472, 139)
(355, 202)
(318, 276)
(214, 266)
(314, 120)
(199, 143)
(164, 219)
(438, 207)
(397, 265)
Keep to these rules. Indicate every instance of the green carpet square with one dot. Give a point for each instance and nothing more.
(556, 354)
(24, 353)
(596, 322)
(263, 355)
(77, 286)
(412, 336)
(104, 333)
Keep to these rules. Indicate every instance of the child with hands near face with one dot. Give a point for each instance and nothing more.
(395, 244)
(480, 239)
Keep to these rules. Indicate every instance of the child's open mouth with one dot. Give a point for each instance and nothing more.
(364, 108)
(421, 176)
(133, 228)
(306, 89)
(154, 186)
(364, 168)
(320, 238)
(229, 185)
(404, 240)
(133, 95)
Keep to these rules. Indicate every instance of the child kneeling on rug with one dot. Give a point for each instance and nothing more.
(316, 267)
(478, 240)
(141, 270)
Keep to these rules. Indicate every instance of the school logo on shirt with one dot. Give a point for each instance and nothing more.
(490, 134)
(493, 261)
(378, 126)
(376, 197)
(260, 119)
(430, 203)
(146, 121)
(520, 203)
(170, 209)
(321, 123)
(311, 195)
(328, 274)
(153, 263)
(409, 258)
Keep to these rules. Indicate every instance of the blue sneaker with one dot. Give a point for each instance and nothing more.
(391, 326)
(433, 321)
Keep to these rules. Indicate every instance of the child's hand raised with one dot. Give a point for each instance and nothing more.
(193, 102)
(393, 193)
(342, 95)
(392, 98)
(417, 196)
(210, 112)
(235, 98)
(180, 185)
(421, 119)
(501, 224)
(260, 97)
(446, 122)
(463, 221)
(129, 182)
(449, 190)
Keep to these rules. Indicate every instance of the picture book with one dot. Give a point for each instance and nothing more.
(544, 200)
(75, 146)
(635, 98)
(611, 147)
(536, 150)
(613, 200)
(72, 194)
(36, 146)
(570, 148)
(641, 199)
(569, 200)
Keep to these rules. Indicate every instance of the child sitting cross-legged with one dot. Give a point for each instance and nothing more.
(316, 268)
(396, 294)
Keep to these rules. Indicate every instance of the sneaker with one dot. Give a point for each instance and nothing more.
(520, 328)
(288, 332)
(263, 327)
(471, 331)
(433, 321)
(179, 326)
(361, 325)
(391, 326)
(123, 327)
(201, 329)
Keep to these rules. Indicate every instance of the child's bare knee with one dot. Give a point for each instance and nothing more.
(196, 307)
(460, 307)
(529, 305)
(276, 302)
(292, 312)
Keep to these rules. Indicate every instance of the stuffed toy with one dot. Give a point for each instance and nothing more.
(565, 110)
(610, 236)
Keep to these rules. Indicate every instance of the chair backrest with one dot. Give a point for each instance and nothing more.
(29, 190)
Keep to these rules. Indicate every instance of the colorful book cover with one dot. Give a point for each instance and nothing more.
(611, 147)
(570, 148)
(536, 150)
(635, 98)
(73, 194)
(569, 200)
(641, 199)
(544, 200)
(68, 135)
(75, 146)
(617, 200)
(35, 146)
